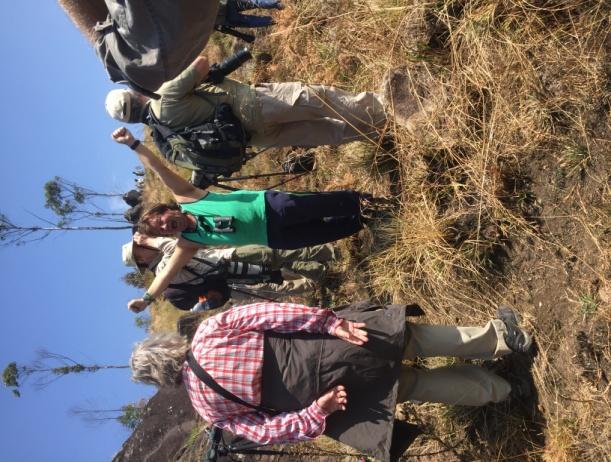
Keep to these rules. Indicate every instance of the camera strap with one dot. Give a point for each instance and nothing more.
(201, 374)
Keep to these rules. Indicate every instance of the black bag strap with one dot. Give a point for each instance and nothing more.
(201, 374)
(197, 275)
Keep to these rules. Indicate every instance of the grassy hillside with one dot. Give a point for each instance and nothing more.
(502, 178)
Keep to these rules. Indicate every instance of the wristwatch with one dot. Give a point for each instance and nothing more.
(148, 298)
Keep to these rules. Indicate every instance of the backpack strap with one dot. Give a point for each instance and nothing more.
(152, 121)
(196, 275)
(201, 374)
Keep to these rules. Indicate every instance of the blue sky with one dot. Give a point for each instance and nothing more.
(63, 293)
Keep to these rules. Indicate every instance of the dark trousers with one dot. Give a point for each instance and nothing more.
(235, 19)
(296, 220)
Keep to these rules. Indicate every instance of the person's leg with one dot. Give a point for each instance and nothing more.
(233, 17)
(319, 253)
(248, 20)
(244, 5)
(315, 253)
(289, 275)
(313, 232)
(298, 286)
(290, 209)
(296, 220)
(256, 254)
(329, 132)
(465, 342)
(253, 293)
(309, 269)
(340, 116)
(305, 261)
(463, 384)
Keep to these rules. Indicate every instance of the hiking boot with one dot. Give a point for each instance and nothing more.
(403, 435)
(516, 339)
(387, 142)
(521, 388)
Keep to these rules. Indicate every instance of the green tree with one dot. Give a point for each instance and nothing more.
(48, 367)
(143, 322)
(72, 202)
(134, 279)
(129, 415)
(132, 415)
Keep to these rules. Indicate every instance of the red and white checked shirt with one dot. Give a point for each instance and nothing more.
(229, 346)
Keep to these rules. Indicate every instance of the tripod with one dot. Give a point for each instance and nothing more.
(217, 182)
(204, 180)
(403, 435)
(218, 447)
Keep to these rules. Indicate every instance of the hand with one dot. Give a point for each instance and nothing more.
(137, 305)
(351, 332)
(123, 136)
(215, 298)
(139, 238)
(333, 400)
(144, 240)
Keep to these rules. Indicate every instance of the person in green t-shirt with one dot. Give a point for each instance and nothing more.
(273, 218)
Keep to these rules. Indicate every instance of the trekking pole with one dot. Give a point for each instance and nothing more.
(260, 175)
(252, 294)
(294, 177)
(249, 38)
(252, 177)
(217, 447)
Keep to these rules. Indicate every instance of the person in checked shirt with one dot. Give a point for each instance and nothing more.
(304, 363)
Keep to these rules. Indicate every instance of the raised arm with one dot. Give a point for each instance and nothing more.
(182, 254)
(182, 190)
(165, 244)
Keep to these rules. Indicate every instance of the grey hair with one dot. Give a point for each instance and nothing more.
(158, 360)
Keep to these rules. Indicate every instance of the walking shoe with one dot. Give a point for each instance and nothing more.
(387, 142)
(516, 339)
(403, 435)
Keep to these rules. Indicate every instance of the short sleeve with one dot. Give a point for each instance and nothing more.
(181, 85)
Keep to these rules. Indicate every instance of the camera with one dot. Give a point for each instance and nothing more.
(215, 435)
(223, 225)
(218, 71)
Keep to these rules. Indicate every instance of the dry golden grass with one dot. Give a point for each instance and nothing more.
(507, 83)
(164, 316)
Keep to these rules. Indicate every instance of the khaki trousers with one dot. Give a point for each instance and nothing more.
(306, 262)
(463, 384)
(288, 289)
(296, 114)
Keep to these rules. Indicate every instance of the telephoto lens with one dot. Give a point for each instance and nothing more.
(218, 71)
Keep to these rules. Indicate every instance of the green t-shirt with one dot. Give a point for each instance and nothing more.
(249, 219)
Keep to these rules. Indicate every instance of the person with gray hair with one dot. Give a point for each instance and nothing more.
(244, 274)
(159, 359)
(272, 114)
(281, 372)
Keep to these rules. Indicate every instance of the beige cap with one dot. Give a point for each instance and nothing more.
(127, 254)
(119, 104)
